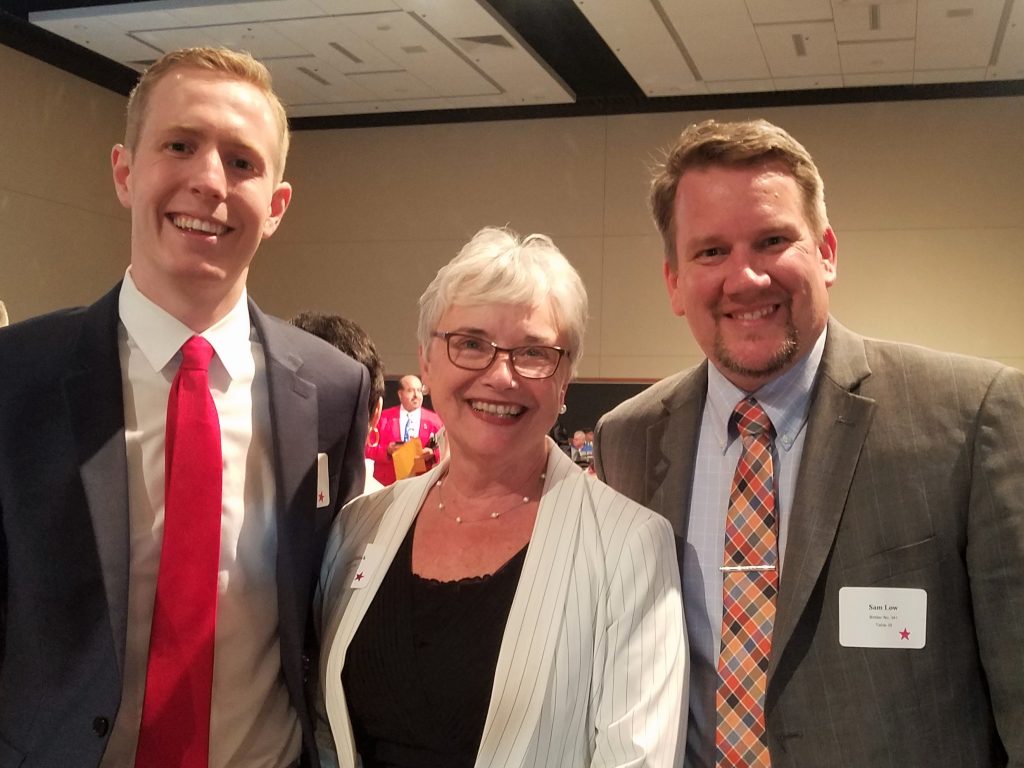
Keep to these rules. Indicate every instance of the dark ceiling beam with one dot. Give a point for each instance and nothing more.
(17, 33)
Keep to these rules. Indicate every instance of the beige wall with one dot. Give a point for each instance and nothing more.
(926, 198)
(63, 235)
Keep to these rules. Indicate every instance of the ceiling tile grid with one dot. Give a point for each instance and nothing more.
(751, 45)
(332, 57)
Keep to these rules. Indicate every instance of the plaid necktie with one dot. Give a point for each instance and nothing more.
(750, 582)
(175, 728)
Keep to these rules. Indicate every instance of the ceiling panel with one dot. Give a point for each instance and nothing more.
(332, 41)
(808, 83)
(875, 21)
(305, 85)
(779, 11)
(956, 34)
(384, 86)
(417, 50)
(882, 56)
(800, 50)
(89, 32)
(203, 14)
(876, 78)
(261, 39)
(337, 57)
(720, 37)
(1010, 55)
(649, 48)
(169, 38)
(741, 86)
(934, 76)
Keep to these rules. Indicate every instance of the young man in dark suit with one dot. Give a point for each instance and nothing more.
(87, 565)
(869, 612)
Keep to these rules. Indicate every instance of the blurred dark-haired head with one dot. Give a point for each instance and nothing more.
(350, 338)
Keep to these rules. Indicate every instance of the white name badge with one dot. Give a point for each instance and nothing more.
(882, 617)
(364, 567)
(323, 481)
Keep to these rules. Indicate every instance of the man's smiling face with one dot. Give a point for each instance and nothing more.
(201, 187)
(751, 278)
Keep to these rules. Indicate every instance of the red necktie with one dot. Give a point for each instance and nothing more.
(175, 729)
(750, 581)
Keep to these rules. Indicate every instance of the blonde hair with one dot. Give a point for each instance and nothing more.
(740, 144)
(232, 64)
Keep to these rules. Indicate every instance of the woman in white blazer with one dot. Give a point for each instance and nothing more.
(505, 609)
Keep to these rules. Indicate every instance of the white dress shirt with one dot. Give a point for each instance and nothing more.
(409, 424)
(252, 723)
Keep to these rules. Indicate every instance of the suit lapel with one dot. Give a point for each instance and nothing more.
(404, 501)
(294, 434)
(535, 619)
(96, 414)
(836, 429)
(671, 451)
(391, 429)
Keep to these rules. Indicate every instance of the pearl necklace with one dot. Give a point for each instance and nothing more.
(494, 515)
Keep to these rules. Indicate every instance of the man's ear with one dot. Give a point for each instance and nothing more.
(675, 294)
(121, 167)
(828, 249)
(278, 205)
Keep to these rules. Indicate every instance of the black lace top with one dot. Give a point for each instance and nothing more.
(419, 670)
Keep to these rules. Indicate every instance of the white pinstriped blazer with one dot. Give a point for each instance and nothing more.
(593, 665)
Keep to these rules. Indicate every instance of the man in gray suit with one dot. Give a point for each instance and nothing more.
(898, 476)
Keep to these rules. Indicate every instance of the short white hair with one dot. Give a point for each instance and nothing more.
(498, 267)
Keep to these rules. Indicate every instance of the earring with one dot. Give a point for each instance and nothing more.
(376, 438)
(563, 409)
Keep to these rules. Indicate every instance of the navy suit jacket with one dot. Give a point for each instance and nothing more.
(64, 528)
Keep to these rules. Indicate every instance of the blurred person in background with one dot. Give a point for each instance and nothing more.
(401, 423)
(349, 337)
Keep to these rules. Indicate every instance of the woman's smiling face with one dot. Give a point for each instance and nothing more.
(496, 411)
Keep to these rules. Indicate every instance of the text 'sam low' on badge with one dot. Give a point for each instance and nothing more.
(882, 617)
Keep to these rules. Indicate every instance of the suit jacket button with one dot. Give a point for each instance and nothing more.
(100, 726)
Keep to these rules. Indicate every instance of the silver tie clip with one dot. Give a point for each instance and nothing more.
(740, 568)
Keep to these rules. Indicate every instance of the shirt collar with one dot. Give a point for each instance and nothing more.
(159, 335)
(786, 399)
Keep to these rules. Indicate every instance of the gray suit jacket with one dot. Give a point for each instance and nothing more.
(64, 530)
(912, 476)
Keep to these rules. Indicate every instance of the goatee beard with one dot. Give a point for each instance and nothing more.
(783, 356)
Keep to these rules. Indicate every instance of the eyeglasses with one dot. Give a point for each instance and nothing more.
(471, 353)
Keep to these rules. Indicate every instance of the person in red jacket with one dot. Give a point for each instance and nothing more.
(400, 423)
